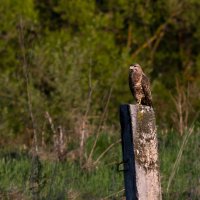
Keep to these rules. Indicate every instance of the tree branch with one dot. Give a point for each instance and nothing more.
(156, 35)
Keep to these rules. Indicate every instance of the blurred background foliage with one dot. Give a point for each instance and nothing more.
(73, 48)
(66, 63)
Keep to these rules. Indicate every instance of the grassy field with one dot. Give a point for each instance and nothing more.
(21, 177)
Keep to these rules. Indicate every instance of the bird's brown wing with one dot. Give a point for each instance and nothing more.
(146, 90)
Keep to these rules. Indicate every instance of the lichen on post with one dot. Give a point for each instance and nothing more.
(145, 152)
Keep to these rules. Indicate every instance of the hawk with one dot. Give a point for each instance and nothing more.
(139, 85)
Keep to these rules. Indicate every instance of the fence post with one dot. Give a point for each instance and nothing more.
(140, 153)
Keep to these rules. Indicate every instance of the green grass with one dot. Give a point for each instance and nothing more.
(58, 180)
(65, 180)
(185, 183)
(68, 180)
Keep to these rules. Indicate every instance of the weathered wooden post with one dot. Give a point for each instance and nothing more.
(140, 153)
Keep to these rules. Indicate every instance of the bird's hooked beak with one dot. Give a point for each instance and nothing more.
(131, 67)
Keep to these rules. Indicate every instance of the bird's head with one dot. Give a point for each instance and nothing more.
(135, 68)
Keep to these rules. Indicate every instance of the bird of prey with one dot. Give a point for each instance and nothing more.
(139, 85)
